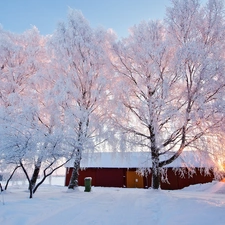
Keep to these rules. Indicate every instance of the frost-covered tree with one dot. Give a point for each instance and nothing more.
(80, 68)
(198, 34)
(19, 53)
(32, 136)
(170, 79)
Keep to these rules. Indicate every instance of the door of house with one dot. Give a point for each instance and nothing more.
(134, 180)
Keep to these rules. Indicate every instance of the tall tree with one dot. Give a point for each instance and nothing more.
(19, 53)
(31, 134)
(82, 83)
(171, 80)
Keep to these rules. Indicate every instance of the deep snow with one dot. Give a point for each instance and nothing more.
(54, 205)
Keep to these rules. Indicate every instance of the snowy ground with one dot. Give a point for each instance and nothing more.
(55, 205)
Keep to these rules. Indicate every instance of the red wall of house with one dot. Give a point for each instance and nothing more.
(106, 177)
(178, 182)
(113, 177)
(68, 175)
(110, 177)
(173, 181)
(90, 172)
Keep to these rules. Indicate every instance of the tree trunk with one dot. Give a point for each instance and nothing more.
(35, 173)
(75, 174)
(155, 173)
(7, 183)
(27, 176)
(155, 159)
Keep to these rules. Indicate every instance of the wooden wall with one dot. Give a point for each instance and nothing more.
(105, 177)
(122, 177)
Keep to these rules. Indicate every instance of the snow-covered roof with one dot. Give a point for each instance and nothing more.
(191, 159)
(142, 159)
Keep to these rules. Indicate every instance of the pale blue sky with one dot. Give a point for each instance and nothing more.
(19, 15)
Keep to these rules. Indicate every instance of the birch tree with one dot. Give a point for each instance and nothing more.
(171, 82)
(82, 80)
(18, 54)
(197, 32)
(32, 136)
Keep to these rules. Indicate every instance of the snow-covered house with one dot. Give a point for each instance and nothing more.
(125, 170)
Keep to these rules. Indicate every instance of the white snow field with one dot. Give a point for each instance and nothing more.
(202, 204)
